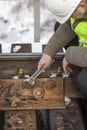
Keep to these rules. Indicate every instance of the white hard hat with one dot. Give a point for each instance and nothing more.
(62, 9)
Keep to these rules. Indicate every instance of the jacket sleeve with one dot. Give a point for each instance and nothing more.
(77, 56)
(60, 38)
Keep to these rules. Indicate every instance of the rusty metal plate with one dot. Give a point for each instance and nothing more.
(45, 94)
(11, 63)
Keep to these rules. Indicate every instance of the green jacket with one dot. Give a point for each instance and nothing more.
(63, 35)
(80, 28)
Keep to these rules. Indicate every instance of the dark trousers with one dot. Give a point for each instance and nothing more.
(82, 82)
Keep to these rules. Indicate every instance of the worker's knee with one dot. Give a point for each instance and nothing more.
(82, 82)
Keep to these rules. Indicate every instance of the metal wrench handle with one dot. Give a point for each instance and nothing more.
(31, 80)
(36, 74)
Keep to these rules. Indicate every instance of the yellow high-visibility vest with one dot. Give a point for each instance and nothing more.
(81, 31)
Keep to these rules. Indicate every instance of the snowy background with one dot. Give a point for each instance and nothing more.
(17, 24)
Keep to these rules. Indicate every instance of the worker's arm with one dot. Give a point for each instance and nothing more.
(61, 37)
(77, 56)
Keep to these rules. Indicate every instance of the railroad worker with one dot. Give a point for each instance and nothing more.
(72, 15)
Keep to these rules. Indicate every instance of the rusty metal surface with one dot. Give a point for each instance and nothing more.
(45, 94)
(48, 93)
(20, 120)
(25, 56)
(68, 119)
(10, 64)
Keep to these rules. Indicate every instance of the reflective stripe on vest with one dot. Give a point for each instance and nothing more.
(81, 31)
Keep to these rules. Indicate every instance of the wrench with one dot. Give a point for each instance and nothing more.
(31, 79)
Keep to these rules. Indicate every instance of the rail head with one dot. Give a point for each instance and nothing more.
(26, 56)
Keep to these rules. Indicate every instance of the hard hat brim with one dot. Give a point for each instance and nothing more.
(66, 14)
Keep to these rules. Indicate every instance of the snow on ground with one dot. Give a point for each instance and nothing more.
(17, 24)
